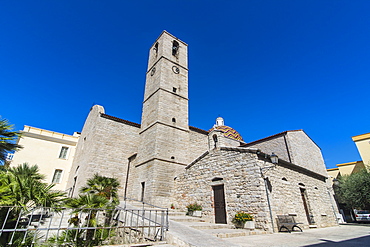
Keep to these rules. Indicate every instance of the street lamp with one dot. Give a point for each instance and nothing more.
(274, 158)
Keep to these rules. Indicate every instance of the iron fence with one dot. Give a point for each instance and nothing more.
(21, 226)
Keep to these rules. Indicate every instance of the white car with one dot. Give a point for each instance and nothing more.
(362, 215)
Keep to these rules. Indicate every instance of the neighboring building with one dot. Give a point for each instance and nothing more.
(363, 147)
(165, 161)
(345, 169)
(53, 153)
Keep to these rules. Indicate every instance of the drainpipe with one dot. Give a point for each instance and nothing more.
(268, 200)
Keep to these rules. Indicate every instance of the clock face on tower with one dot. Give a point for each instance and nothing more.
(175, 69)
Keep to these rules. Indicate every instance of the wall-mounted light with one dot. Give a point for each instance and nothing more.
(274, 158)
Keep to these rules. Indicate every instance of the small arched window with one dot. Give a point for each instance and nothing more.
(173, 120)
(215, 140)
(284, 179)
(156, 47)
(175, 47)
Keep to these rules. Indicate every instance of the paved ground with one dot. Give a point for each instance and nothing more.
(347, 235)
(343, 235)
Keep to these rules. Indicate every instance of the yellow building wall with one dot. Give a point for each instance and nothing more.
(43, 147)
(363, 146)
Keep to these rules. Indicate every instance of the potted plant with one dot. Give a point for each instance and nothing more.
(194, 209)
(243, 220)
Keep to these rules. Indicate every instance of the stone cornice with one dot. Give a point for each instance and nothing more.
(154, 64)
(165, 91)
(157, 122)
(164, 160)
(262, 155)
(49, 138)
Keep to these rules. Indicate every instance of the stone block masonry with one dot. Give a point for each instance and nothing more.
(103, 148)
(239, 170)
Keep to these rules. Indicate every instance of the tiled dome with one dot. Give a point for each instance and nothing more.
(228, 131)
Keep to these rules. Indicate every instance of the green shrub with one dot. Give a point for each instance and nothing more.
(194, 207)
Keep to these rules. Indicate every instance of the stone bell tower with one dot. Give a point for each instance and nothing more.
(164, 134)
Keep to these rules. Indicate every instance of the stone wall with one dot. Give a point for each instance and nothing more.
(276, 144)
(286, 198)
(305, 152)
(242, 183)
(154, 181)
(104, 147)
(242, 176)
(198, 144)
(295, 147)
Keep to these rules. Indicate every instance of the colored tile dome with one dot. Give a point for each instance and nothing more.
(228, 131)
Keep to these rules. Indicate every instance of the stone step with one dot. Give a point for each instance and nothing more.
(185, 236)
(233, 233)
(186, 219)
(204, 226)
(172, 212)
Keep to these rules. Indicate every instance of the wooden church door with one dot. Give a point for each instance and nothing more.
(219, 203)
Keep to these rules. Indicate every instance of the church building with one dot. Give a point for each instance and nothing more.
(164, 161)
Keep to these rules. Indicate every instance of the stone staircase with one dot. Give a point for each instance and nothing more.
(218, 230)
(188, 231)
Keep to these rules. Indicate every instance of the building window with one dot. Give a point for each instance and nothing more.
(63, 153)
(175, 47)
(215, 140)
(156, 48)
(57, 176)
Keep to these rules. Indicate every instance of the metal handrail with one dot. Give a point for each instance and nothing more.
(154, 206)
(133, 224)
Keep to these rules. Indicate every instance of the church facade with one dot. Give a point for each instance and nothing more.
(164, 161)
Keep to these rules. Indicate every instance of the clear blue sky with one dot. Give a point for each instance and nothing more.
(265, 66)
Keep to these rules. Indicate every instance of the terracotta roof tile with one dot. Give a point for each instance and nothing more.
(198, 130)
(120, 120)
(268, 138)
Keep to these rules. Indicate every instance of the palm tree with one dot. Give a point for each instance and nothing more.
(22, 186)
(102, 186)
(88, 204)
(100, 192)
(7, 139)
